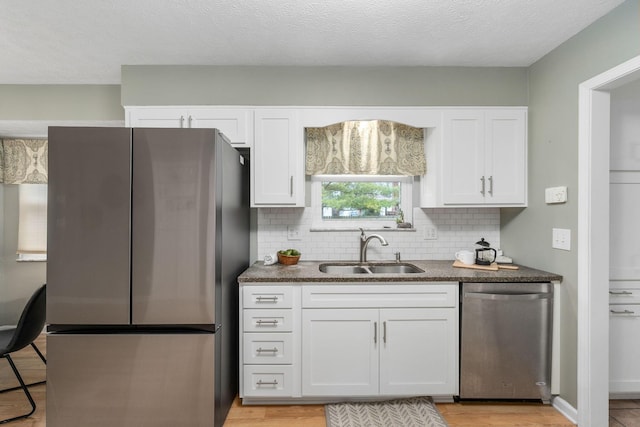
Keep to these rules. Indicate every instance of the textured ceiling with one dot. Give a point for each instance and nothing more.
(81, 42)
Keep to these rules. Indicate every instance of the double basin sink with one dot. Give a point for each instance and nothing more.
(369, 268)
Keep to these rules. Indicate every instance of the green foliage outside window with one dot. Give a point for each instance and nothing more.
(344, 199)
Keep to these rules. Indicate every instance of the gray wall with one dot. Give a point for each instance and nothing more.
(60, 102)
(211, 85)
(553, 160)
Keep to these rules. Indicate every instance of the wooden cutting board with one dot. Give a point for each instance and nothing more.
(492, 267)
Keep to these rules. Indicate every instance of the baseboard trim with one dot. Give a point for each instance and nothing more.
(565, 409)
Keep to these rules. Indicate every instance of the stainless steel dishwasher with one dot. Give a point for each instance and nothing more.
(505, 341)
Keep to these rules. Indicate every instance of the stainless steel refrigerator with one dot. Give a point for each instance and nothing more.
(147, 233)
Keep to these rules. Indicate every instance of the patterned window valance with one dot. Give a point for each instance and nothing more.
(24, 161)
(374, 147)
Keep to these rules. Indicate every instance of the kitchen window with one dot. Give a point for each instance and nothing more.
(362, 173)
(32, 222)
(353, 201)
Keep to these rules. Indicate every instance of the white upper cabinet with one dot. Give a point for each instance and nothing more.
(484, 157)
(235, 123)
(277, 162)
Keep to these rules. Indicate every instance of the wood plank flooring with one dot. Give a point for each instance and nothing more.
(456, 414)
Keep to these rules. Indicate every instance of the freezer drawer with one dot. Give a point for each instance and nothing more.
(505, 341)
(130, 380)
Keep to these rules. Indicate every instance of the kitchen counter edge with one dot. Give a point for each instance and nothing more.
(434, 271)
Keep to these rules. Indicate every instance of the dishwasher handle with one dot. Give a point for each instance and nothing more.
(507, 296)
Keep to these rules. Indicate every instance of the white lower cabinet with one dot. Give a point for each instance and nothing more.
(267, 344)
(325, 341)
(624, 346)
(369, 352)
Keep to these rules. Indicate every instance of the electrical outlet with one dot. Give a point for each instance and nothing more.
(430, 233)
(561, 239)
(293, 232)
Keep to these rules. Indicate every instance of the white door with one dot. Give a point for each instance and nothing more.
(463, 157)
(419, 351)
(340, 352)
(505, 157)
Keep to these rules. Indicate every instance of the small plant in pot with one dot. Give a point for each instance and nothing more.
(288, 256)
(400, 220)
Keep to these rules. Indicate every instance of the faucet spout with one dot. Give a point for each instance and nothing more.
(364, 243)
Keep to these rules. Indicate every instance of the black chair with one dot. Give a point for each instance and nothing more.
(29, 326)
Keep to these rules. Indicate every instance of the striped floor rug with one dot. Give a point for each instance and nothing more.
(410, 412)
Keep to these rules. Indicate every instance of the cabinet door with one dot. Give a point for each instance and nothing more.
(235, 124)
(505, 157)
(624, 347)
(157, 118)
(277, 163)
(463, 151)
(419, 351)
(340, 352)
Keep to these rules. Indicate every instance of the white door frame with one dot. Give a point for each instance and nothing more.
(593, 241)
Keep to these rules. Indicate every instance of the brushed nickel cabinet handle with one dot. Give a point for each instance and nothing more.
(620, 293)
(260, 382)
(261, 322)
(622, 312)
(181, 121)
(483, 185)
(491, 185)
(291, 186)
(384, 332)
(266, 299)
(266, 350)
(375, 332)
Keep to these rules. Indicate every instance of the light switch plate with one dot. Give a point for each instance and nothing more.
(561, 239)
(555, 195)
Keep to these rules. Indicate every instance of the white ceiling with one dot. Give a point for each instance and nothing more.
(86, 42)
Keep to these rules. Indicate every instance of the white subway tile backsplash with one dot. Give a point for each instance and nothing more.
(456, 229)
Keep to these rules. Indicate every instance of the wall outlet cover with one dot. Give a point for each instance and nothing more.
(561, 239)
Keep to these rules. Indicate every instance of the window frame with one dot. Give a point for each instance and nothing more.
(35, 203)
(319, 223)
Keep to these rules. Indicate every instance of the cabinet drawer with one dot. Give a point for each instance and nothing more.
(384, 295)
(257, 320)
(267, 296)
(268, 380)
(624, 310)
(624, 296)
(267, 349)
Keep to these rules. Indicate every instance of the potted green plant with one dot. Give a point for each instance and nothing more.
(400, 220)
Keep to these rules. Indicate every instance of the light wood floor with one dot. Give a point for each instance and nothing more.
(456, 414)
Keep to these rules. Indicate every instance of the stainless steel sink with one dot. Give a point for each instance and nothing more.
(395, 268)
(369, 268)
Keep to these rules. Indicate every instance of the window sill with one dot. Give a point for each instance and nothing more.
(27, 258)
(395, 229)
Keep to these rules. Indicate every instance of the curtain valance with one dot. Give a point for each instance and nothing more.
(24, 161)
(376, 147)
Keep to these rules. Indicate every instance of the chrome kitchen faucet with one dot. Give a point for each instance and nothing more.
(364, 243)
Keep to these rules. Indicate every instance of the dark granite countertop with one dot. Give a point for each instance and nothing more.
(435, 271)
